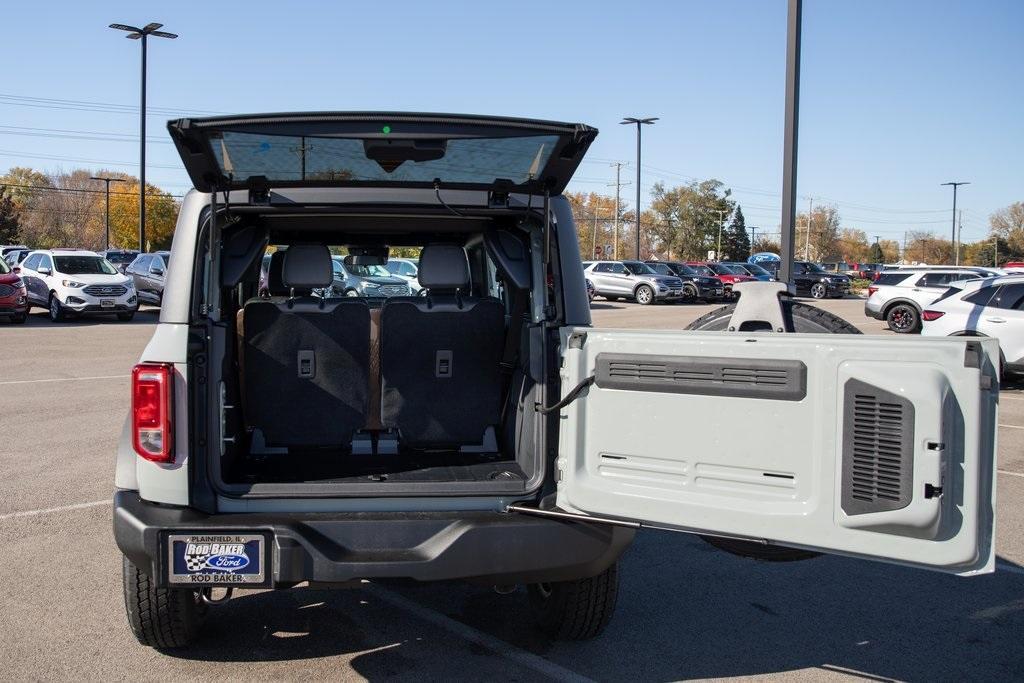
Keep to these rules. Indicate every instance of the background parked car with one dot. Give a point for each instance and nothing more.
(992, 307)
(727, 276)
(633, 280)
(707, 287)
(7, 248)
(899, 296)
(147, 272)
(752, 269)
(119, 258)
(408, 270)
(13, 300)
(864, 271)
(811, 280)
(77, 282)
(353, 280)
(16, 256)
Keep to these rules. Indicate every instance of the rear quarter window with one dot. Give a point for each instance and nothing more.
(982, 297)
(891, 278)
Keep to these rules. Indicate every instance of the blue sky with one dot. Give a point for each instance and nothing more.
(898, 97)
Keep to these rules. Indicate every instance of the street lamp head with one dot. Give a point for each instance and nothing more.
(134, 33)
(149, 28)
(164, 34)
(126, 27)
(629, 120)
(954, 184)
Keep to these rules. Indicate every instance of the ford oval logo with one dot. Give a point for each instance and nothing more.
(227, 562)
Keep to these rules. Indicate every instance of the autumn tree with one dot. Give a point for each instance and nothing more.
(1008, 224)
(767, 244)
(819, 241)
(686, 219)
(925, 247)
(10, 226)
(161, 216)
(595, 223)
(851, 245)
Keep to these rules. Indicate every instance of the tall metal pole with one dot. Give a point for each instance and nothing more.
(107, 180)
(789, 149)
(955, 185)
(721, 219)
(638, 127)
(959, 240)
(142, 154)
(807, 242)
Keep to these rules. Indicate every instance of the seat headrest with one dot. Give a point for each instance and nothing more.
(444, 266)
(275, 285)
(307, 266)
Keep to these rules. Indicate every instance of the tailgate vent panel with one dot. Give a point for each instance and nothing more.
(783, 380)
(878, 449)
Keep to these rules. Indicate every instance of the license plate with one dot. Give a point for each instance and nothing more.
(718, 292)
(107, 303)
(216, 559)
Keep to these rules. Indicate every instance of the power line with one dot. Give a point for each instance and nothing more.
(75, 189)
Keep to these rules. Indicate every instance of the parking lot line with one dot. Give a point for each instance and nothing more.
(495, 645)
(64, 379)
(63, 508)
(1011, 426)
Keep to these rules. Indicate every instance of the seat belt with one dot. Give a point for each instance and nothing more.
(514, 334)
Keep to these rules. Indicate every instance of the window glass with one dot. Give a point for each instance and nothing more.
(660, 269)
(408, 269)
(84, 265)
(4, 268)
(799, 269)
(982, 297)
(939, 279)
(704, 270)
(638, 268)
(1011, 296)
(142, 263)
(603, 268)
(45, 262)
(32, 261)
(892, 278)
(618, 269)
(157, 264)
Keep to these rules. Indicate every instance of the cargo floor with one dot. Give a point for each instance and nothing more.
(347, 467)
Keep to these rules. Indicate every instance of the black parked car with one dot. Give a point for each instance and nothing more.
(148, 272)
(814, 281)
(120, 258)
(695, 285)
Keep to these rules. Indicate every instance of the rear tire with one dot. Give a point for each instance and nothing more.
(576, 610)
(819, 290)
(644, 295)
(903, 319)
(690, 293)
(164, 618)
(802, 318)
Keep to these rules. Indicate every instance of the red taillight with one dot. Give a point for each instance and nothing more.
(932, 315)
(151, 411)
(872, 290)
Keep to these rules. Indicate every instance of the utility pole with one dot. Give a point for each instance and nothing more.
(955, 185)
(618, 186)
(640, 123)
(593, 248)
(721, 220)
(107, 180)
(807, 242)
(753, 236)
(995, 251)
(959, 230)
(904, 259)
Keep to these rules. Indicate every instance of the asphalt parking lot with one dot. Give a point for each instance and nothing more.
(685, 610)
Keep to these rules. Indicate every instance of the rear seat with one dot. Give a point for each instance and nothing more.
(306, 359)
(440, 357)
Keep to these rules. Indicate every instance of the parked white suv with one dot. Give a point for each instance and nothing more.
(899, 296)
(76, 282)
(992, 307)
(408, 270)
(487, 431)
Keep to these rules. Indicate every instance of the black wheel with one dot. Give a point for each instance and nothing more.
(903, 319)
(690, 292)
(801, 318)
(819, 290)
(125, 317)
(644, 295)
(56, 310)
(576, 610)
(610, 298)
(163, 618)
(727, 292)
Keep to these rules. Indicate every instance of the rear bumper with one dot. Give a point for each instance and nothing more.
(337, 547)
(873, 310)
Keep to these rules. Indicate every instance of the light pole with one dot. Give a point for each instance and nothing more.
(107, 181)
(141, 34)
(639, 123)
(952, 238)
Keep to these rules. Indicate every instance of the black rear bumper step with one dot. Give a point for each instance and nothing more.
(491, 547)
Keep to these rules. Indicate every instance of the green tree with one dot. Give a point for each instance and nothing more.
(684, 220)
(735, 240)
(877, 255)
(10, 226)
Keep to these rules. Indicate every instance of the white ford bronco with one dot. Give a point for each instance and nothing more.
(484, 430)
